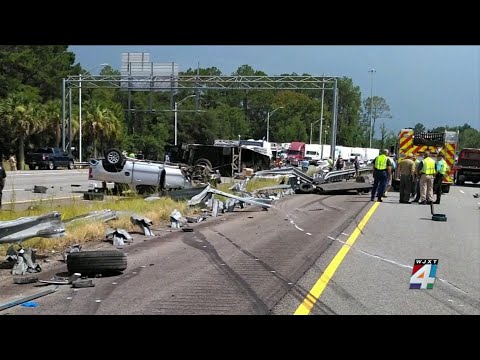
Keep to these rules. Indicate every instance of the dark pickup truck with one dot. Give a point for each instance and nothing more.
(49, 158)
(467, 167)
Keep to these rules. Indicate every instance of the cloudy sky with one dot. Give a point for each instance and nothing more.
(433, 85)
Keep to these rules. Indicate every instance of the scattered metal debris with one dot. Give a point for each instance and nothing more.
(199, 197)
(71, 249)
(49, 226)
(83, 283)
(25, 280)
(61, 280)
(144, 224)
(177, 220)
(195, 219)
(24, 299)
(100, 215)
(118, 236)
(26, 262)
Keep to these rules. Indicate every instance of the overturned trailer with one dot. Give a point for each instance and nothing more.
(227, 156)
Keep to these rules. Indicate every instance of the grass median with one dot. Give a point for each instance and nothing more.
(83, 231)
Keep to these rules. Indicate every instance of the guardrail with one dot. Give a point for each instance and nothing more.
(81, 165)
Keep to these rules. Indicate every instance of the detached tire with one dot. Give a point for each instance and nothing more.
(306, 188)
(96, 262)
(114, 157)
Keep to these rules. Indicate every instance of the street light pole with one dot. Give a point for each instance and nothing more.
(176, 111)
(371, 106)
(321, 119)
(80, 111)
(311, 130)
(80, 118)
(268, 121)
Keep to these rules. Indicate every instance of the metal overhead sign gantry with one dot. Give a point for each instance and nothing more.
(196, 83)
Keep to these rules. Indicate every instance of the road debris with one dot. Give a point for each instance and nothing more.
(61, 280)
(71, 249)
(144, 224)
(25, 280)
(83, 283)
(24, 299)
(48, 226)
(177, 220)
(100, 215)
(118, 236)
(25, 262)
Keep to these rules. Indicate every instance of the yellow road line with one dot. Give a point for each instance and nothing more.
(317, 289)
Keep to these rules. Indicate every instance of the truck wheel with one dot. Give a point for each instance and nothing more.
(70, 165)
(113, 156)
(306, 188)
(475, 181)
(204, 162)
(96, 262)
(51, 165)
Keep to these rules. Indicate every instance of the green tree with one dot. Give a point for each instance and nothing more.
(350, 130)
(38, 66)
(21, 116)
(100, 124)
(419, 128)
(379, 110)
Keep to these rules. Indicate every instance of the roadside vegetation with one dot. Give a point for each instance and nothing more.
(85, 231)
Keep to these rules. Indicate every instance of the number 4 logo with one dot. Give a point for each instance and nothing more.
(423, 276)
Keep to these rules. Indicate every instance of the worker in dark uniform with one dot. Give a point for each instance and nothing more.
(382, 168)
(416, 179)
(442, 169)
(3, 175)
(406, 170)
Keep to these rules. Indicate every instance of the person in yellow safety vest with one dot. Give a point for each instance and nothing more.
(330, 163)
(382, 168)
(426, 170)
(442, 170)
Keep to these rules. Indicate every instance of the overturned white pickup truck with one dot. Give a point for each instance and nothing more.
(144, 176)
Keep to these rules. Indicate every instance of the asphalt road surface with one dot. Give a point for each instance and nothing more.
(19, 185)
(267, 262)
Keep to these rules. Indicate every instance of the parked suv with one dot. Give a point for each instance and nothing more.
(143, 176)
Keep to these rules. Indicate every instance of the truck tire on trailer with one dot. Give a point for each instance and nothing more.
(204, 162)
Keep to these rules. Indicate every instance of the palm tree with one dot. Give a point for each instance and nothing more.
(100, 123)
(52, 115)
(24, 119)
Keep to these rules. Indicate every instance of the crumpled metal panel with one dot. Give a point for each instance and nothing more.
(48, 225)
